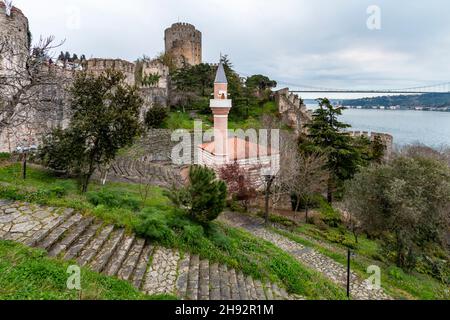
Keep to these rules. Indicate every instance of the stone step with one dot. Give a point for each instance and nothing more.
(91, 250)
(193, 278)
(225, 286)
(44, 232)
(108, 249)
(71, 236)
(77, 246)
(214, 282)
(268, 291)
(162, 274)
(260, 295)
(58, 232)
(116, 261)
(203, 285)
(284, 294)
(183, 274)
(251, 290)
(276, 292)
(234, 286)
(142, 266)
(242, 286)
(126, 270)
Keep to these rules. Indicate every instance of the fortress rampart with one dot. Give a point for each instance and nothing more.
(14, 32)
(98, 66)
(292, 109)
(184, 43)
(386, 139)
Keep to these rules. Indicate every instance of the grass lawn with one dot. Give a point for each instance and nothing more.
(183, 120)
(156, 219)
(27, 274)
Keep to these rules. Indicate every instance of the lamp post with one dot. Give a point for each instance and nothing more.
(24, 151)
(350, 254)
(269, 178)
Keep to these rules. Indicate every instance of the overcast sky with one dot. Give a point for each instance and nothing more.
(322, 43)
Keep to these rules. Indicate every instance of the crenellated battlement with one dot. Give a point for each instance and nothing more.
(184, 43)
(98, 66)
(183, 25)
(292, 109)
(386, 139)
(115, 64)
(14, 10)
(15, 28)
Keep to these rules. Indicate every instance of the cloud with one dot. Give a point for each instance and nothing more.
(322, 43)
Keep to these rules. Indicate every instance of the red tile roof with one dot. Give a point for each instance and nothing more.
(240, 149)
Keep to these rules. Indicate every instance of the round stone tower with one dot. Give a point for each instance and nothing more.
(14, 32)
(184, 44)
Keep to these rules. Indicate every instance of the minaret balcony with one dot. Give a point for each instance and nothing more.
(220, 103)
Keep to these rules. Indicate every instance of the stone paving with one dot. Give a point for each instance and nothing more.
(110, 250)
(331, 269)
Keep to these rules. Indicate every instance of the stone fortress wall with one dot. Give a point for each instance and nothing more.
(295, 115)
(157, 94)
(15, 29)
(157, 67)
(184, 43)
(386, 139)
(99, 66)
(41, 122)
(14, 33)
(292, 110)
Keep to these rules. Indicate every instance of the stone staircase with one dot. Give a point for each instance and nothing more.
(114, 252)
(163, 174)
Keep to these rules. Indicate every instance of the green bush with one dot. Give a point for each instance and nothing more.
(396, 273)
(113, 200)
(434, 267)
(11, 193)
(329, 215)
(235, 206)
(315, 203)
(4, 156)
(155, 117)
(58, 191)
(153, 225)
(192, 235)
(274, 218)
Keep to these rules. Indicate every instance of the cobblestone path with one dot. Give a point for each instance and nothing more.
(110, 250)
(334, 271)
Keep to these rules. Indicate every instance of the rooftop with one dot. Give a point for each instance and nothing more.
(239, 149)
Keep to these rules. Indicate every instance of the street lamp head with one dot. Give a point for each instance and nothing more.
(268, 173)
(26, 149)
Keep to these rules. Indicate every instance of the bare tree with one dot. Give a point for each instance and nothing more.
(304, 178)
(27, 82)
(239, 183)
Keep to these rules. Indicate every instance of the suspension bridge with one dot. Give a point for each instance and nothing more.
(435, 88)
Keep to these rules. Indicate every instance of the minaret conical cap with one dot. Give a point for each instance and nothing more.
(220, 75)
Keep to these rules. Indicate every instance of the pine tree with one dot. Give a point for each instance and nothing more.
(208, 194)
(327, 136)
(204, 198)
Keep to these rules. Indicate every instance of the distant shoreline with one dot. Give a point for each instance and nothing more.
(429, 109)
